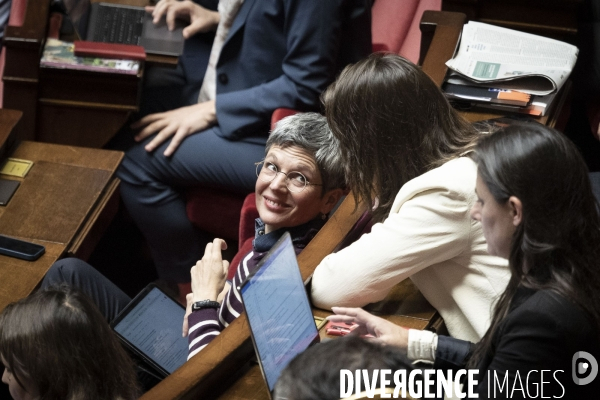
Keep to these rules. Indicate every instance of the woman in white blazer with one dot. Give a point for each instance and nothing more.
(406, 152)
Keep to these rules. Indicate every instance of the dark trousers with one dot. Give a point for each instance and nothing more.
(83, 277)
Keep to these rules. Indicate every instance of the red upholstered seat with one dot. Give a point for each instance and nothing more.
(18, 9)
(216, 211)
(395, 25)
(248, 214)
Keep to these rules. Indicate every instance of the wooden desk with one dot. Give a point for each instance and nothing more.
(65, 203)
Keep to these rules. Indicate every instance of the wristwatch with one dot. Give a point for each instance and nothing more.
(199, 305)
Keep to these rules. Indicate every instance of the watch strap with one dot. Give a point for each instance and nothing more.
(199, 305)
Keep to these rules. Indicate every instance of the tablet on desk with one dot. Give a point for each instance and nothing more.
(150, 326)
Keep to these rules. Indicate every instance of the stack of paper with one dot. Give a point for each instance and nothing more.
(508, 70)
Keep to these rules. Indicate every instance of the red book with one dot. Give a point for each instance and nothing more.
(109, 50)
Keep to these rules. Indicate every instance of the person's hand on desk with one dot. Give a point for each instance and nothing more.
(383, 330)
(179, 123)
(201, 19)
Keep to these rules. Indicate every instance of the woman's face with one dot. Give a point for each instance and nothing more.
(497, 220)
(18, 392)
(277, 206)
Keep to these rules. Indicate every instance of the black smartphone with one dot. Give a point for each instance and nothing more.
(20, 249)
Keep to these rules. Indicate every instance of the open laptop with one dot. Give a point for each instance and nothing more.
(123, 24)
(150, 327)
(278, 311)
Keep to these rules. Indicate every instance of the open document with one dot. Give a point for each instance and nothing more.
(511, 60)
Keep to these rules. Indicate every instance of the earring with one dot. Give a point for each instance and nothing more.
(323, 216)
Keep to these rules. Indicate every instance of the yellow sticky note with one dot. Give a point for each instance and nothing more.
(320, 322)
(16, 167)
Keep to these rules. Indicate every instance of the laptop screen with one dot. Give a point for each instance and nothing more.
(278, 310)
(152, 324)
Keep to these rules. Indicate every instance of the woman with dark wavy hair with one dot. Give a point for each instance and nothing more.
(405, 151)
(537, 209)
(55, 344)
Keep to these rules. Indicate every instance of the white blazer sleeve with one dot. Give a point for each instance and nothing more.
(430, 227)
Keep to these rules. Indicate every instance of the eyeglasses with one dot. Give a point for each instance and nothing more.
(294, 181)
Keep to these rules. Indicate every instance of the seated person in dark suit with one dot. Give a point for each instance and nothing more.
(538, 211)
(267, 54)
(299, 182)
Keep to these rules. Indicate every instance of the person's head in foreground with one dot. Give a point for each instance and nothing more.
(393, 124)
(55, 344)
(315, 373)
(302, 176)
(537, 209)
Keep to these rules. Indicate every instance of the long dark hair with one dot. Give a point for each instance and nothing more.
(556, 245)
(393, 124)
(59, 340)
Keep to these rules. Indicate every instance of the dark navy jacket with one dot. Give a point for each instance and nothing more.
(279, 53)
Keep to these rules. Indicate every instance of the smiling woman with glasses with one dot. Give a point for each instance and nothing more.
(300, 180)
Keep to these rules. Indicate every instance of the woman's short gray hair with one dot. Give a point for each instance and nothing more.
(309, 131)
